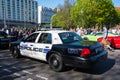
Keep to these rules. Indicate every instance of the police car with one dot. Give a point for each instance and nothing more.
(59, 49)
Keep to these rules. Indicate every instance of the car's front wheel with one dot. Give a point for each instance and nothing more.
(15, 52)
(56, 63)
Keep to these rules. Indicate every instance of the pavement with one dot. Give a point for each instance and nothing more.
(30, 69)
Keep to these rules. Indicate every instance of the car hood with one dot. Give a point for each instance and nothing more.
(94, 46)
(15, 43)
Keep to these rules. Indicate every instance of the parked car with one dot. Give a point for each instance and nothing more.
(114, 41)
(4, 41)
(59, 49)
(94, 37)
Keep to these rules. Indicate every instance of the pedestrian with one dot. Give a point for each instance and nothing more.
(12, 35)
(79, 30)
(105, 42)
(72, 29)
(20, 34)
(89, 31)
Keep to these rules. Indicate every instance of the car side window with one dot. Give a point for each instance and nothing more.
(45, 38)
(31, 38)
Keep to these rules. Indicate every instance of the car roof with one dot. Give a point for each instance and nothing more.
(52, 31)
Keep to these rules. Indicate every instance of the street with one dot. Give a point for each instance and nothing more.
(30, 69)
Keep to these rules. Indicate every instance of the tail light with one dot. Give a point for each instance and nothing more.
(85, 52)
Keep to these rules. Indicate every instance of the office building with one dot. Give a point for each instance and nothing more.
(44, 15)
(18, 13)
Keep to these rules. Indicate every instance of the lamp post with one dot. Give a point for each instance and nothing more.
(51, 25)
(4, 14)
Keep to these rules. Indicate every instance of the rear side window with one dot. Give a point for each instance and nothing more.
(45, 38)
(68, 37)
(32, 37)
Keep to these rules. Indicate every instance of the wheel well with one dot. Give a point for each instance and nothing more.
(52, 52)
(15, 46)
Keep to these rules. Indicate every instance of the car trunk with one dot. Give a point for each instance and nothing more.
(95, 47)
(76, 48)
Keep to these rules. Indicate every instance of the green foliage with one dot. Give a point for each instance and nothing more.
(62, 18)
(118, 19)
(87, 13)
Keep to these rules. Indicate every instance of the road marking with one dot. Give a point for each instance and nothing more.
(39, 76)
(29, 79)
(27, 72)
(7, 70)
(1, 78)
(17, 74)
(3, 50)
(15, 68)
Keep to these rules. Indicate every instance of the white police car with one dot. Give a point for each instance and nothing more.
(59, 49)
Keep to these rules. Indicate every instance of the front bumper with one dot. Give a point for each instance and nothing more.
(84, 62)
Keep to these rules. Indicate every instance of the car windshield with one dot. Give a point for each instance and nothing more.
(68, 37)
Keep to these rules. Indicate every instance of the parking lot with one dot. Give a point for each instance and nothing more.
(30, 69)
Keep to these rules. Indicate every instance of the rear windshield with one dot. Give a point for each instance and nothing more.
(68, 37)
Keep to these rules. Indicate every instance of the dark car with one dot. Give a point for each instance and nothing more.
(4, 41)
(59, 49)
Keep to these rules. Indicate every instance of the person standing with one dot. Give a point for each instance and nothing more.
(104, 40)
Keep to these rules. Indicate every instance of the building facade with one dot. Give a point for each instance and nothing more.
(44, 15)
(18, 13)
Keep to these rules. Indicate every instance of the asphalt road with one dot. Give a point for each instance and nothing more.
(30, 69)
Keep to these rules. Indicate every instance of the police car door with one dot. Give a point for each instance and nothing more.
(43, 45)
(27, 46)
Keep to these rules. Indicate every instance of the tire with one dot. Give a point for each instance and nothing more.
(15, 52)
(56, 63)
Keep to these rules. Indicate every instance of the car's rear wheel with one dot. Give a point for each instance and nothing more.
(56, 63)
(15, 52)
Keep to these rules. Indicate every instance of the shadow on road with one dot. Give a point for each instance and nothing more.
(99, 68)
(3, 48)
(13, 74)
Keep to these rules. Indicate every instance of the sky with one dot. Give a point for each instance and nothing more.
(56, 3)
(50, 3)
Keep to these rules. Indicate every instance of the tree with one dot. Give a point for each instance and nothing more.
(88, 13)
(62, 18)
(118, 13)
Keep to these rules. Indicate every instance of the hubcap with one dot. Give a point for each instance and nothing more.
(55, 62)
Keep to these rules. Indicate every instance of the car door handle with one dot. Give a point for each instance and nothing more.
(46, 46)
